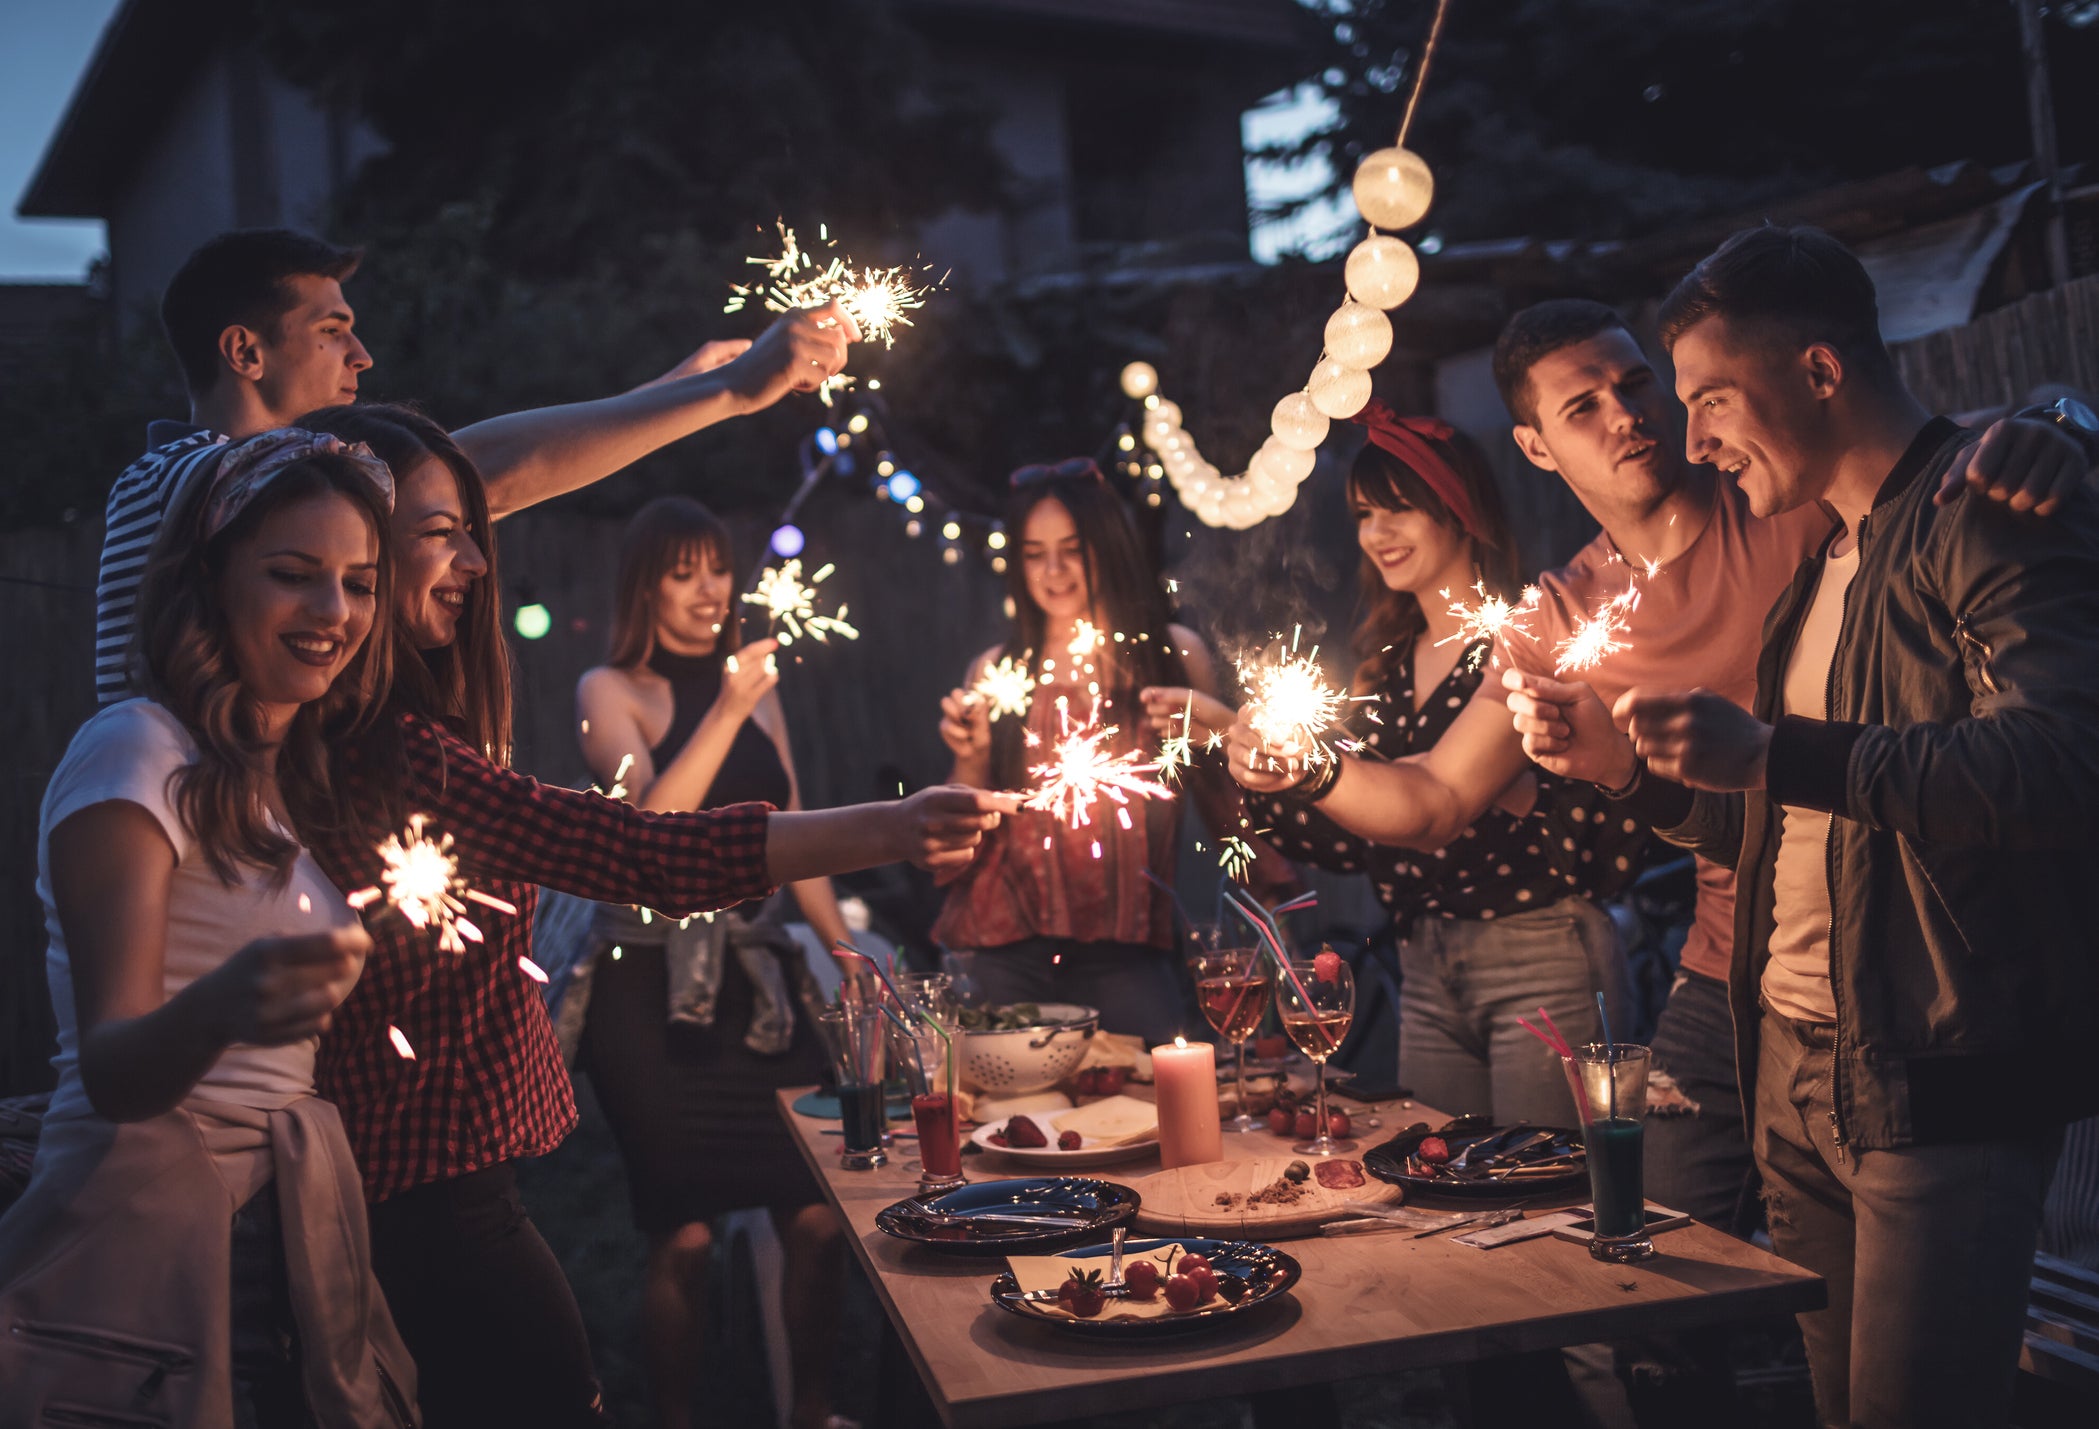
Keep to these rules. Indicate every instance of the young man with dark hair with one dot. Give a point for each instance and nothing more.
(259, 324)
(1912, 810)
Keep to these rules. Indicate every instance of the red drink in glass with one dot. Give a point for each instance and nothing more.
(939, 1148)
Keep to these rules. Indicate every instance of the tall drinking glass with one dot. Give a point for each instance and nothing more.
(1316, 1012)
(857, 1037)
(1614, 1086)
(1233, 987)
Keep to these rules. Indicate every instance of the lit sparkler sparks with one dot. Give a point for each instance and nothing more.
(877, 299)
(1006, 687)
(1489, 619)
(1085, 639)
(791, 602)
(1289, 706)
(1081, 771)
(1236, 858)
(421, 880)
(1177, 751)
(1597, 636)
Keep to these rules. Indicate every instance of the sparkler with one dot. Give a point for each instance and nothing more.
(1597, 636)
(1085, 639)
(877, 299)
(789, 601)
(1489, 619)
(1177, 751)
(1006, 686)
(421, 880)
(1236, 858)
(1080, 772)
(1289, 705)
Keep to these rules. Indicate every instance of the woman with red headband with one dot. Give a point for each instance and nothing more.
(1503, 920)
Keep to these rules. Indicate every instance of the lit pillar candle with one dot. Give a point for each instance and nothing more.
(1185, 1077)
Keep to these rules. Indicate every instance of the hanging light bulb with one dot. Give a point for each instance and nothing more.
(788, 540)
(1358, 336)
(1339, 391)
(1297, 423)
(1381, 271)
(1139, 380)
(858, 424)
(1393, 188)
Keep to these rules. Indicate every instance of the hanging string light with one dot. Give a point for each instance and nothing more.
(1392, 189)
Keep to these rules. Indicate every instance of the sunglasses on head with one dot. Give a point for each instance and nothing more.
(1072, 469)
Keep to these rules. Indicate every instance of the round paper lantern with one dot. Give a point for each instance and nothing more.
(1393, 189)
(1141, 379)
(1284, 498)
(1287, 465)
(1297, 423)
(1381, 271)
(1358, 336)
(1339, 391)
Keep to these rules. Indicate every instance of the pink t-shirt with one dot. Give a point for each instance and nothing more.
(1699, 622)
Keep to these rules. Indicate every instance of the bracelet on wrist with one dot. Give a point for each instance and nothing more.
(1626, 790)
(1320, 782)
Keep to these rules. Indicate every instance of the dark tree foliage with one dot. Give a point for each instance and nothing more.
(570, 188)
(1607, 118)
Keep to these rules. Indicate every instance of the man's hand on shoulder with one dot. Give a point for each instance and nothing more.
(2025, 462)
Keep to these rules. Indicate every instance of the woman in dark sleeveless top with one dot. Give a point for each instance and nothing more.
(693, 1024)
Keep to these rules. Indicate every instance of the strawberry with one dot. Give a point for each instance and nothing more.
(1327, 966)
(1434, 1150)
(1022, 1131)
(1068, 1141)
(1181, 1292)
(1083, 1293)
(1281, 1120)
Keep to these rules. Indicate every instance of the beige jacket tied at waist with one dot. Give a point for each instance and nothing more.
(114, 1270)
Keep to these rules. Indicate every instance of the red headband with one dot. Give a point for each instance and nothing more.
(1408, 439)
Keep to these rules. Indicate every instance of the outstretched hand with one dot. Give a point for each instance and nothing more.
(1697, 738)
(940, 828)
(795, 354)
(1567, 731)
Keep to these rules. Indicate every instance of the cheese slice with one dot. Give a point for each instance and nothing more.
(1112, 1121)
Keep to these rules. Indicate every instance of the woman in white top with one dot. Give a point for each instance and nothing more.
(191, 1248)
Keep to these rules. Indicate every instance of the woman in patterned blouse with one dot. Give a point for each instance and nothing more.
(1503, 920)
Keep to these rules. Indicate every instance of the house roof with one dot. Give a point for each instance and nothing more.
(139, 68)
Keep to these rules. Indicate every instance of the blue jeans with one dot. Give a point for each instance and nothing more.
(1698, 1157)
(1465, 981)
(1135, 988)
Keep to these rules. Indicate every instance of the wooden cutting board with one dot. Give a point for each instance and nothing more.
(1184, 1201)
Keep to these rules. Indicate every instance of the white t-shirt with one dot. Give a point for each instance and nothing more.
(129, 751)
(1796, 980)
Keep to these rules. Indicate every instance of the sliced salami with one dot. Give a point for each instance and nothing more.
(1338, 1175)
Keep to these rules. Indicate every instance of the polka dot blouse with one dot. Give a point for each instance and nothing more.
(1572, 841)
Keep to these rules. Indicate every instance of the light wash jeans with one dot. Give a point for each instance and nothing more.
(1463, 984)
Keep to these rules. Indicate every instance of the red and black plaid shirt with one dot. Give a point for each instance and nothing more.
(486, 1082)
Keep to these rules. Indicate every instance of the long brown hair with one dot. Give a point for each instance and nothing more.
(662, 536)
(183, 659)
(467, 681)
(1388, 621)
(1125, 594)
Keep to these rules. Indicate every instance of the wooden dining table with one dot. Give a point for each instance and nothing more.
(1367, 1303)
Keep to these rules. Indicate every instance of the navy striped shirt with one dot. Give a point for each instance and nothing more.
(138, 503)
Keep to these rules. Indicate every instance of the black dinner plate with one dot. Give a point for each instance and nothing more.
(1489, 1148)
(1095, 1208)
(1267, 1272)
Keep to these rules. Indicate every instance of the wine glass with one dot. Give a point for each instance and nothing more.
(1233, 986)
(1317, 1003)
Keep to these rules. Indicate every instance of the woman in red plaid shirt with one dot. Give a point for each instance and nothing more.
(445, 1065)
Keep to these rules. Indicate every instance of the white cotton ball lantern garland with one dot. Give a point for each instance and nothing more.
(1393, 189)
